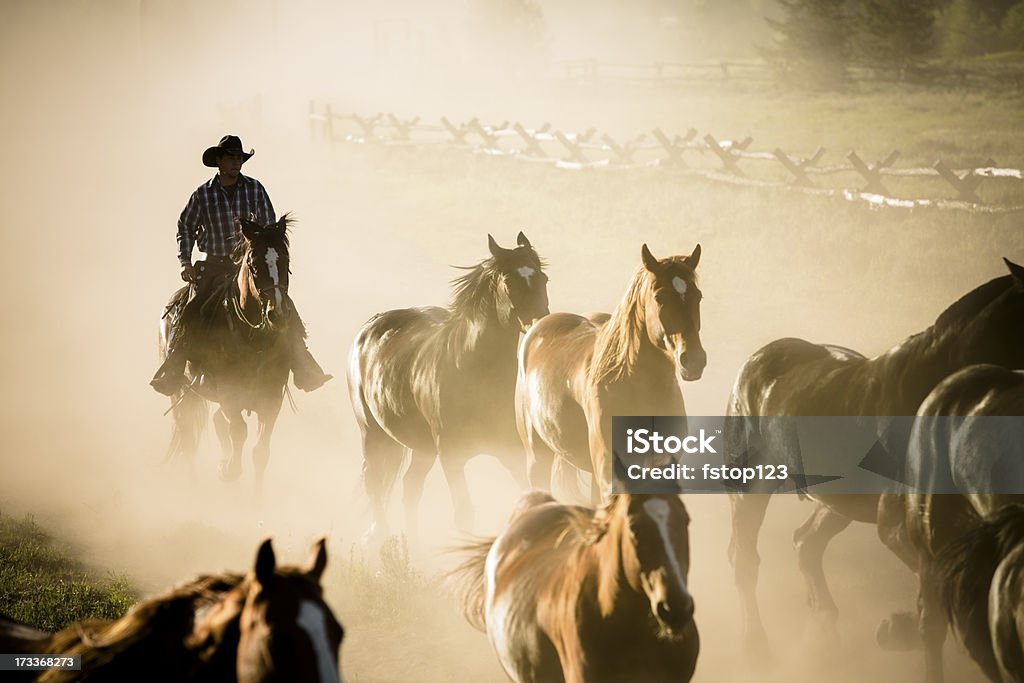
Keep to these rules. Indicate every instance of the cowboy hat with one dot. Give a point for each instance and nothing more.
(229, 144)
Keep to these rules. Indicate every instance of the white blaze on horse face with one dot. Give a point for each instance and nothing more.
(679, 284)
(658, 511)
(313, 620)
(272, 258)
(527, 273)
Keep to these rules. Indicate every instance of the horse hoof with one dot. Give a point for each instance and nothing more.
(230, 474)
(899, 633)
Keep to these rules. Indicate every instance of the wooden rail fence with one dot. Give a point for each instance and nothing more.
(690, 154)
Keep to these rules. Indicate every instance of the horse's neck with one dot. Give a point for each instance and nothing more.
(247, 299)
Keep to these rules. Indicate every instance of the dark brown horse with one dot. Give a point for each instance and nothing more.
(793, 377)
(269, 625)
(241, 359)
(575, 595)
(576, 372)
(438, 383)
(960, 470)
(979, 579)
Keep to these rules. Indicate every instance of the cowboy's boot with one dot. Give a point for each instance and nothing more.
(170, 378)
(306, 372)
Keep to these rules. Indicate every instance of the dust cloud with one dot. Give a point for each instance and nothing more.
(106, 110)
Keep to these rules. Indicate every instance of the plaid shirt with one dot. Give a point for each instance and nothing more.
(208, 220)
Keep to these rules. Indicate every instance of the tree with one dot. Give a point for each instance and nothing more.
(812, 44)
(895, 34)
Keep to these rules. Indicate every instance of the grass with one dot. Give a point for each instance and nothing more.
(388, 591)
(42, 585)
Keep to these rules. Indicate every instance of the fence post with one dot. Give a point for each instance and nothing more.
(532, 146)
(575, 153)
(871, 173)
(728, 159)
(797, 167)
(963, 184)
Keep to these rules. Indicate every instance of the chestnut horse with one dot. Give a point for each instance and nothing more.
(961, 471)
(240, 352)
(576, 372)
(271, 624)
(793, 377)
(575, 595)
(438, 383)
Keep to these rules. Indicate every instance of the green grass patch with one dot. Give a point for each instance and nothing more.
(389, 590)
(43, 585)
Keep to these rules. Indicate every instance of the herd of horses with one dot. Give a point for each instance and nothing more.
(599, 592)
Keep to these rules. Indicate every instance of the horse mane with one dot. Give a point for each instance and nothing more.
(973, 301)
(242, 245)
(473, 293)
(118, 642)
(618, 340)
(962, 572)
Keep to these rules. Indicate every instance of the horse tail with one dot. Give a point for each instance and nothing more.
(190, 413)
(963, 574)
(1006, 614)
(469, 581)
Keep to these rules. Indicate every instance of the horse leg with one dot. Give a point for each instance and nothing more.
(933, 625)
(900, 631)
(810, 541)
(454, 466)
(382, 460)
(515, 463)
(261, 451)
(231, 462)
(539, 462)
(420, 464)
(747, 516)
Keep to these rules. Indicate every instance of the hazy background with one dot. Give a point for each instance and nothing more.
(107, 108)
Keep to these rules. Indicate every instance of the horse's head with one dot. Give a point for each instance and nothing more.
(264, 275)
(287, 631)
(672, 310)
(522, 284)
(656, 557)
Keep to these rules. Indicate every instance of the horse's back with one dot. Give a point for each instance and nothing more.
(788, 377)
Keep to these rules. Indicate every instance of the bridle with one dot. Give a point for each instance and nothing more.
(264, 295)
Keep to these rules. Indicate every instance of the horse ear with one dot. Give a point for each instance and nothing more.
(1016, 271)
(496, 250)
(522, 241)
(249, 228)
(317, 559)
(650, 262)
(694, 257)
(266, 563)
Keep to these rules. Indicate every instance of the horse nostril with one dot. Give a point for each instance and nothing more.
(678, 616)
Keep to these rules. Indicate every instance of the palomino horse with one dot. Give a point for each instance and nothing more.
(576, 372)
(979, 578)
(960, 471)
(439, 382)
(793, 377)
(570, 594)
(242, 353)
(271, 624)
